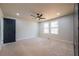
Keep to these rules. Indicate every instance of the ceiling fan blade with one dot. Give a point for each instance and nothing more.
(42, 18)
(38, 14)
(33, 15)
(41, 15)
(33, 18)
(39, 19)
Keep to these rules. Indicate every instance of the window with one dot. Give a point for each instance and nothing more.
(54, 27)
(50, 27)
(46, 27)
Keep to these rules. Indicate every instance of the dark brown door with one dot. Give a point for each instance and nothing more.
(9, 30)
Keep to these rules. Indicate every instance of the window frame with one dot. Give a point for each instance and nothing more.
(54, 27)
(44, 28)
(51, 27)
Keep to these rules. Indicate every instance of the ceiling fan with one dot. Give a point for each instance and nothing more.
(38, 16)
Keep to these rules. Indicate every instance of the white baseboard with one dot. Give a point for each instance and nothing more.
(25, 38)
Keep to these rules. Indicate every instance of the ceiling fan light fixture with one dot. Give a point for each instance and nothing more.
(58, 14)
(17, 14)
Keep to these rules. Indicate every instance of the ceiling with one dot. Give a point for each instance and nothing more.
(50, 10)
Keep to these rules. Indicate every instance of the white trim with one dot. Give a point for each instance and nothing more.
(2, 31)
(25, 38)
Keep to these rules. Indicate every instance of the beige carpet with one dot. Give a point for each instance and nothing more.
(37, 47)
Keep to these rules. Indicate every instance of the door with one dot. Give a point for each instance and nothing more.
(9, 30)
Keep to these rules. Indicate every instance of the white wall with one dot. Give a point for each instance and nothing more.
(65, 29)
(26, 29)
(1, 31)
(1, 14)
(1, 17)
(0, 22)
